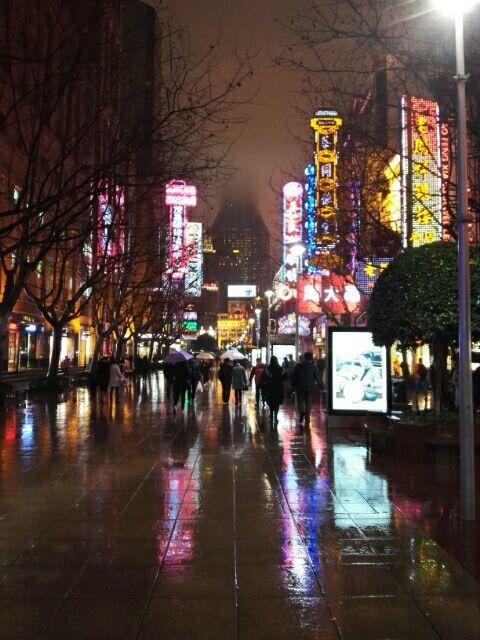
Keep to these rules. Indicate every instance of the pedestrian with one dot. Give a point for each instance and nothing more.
(195, 377)
(168, 375)
(273, 380)
(225, 377)
(115, 378)
(239, 381)
(420, 376)
(181, 383)
(305, 378)
(102, 376)
(257, 374)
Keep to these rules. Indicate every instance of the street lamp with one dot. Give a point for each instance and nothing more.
(269, 296)
(456, 9)
(258, 313)
(297, 250)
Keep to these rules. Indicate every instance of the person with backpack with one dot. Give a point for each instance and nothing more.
(305, 378)
(257, 374)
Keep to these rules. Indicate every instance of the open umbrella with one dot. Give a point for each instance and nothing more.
(205, 356)
(177, 356)
(233, 354)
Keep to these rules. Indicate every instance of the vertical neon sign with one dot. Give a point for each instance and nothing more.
(445, 159)
(326, 125)
(194, 274)
(421, 172)
(179, 196)
(292, 229)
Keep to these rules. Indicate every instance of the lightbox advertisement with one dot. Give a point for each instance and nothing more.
(359, 372)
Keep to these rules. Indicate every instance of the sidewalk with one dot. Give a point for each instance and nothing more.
(128, 522)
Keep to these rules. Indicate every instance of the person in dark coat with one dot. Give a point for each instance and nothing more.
(273, 380)
(305, 378)
(181, 383)
(168, 374)
(102, 376)
(195, 377)
(225, 377)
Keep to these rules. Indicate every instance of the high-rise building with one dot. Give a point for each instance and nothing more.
(242, 246)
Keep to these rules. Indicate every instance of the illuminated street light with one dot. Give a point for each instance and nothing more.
(456, 9)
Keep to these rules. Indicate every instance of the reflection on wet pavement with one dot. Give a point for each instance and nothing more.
(131, 523)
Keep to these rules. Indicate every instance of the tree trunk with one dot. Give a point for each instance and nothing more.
(56, 351)
(4, 321)
(118, 348)
(96, 354)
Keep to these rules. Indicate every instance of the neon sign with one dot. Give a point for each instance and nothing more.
(177, 192)
(287, 325)
(325, 124)
(193, 276)
(368, 271)
(327, 294)
(179, 196)
(445, 159)
(421, 172)
(292, 229)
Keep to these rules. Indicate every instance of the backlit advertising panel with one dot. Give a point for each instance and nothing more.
(193, 276)
(359, 372)
(332, 294)
(242, 290)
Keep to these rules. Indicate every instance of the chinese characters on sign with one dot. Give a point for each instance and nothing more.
(292, 229)
(193, 276)
(327, 294)
(325, 125)
(179, 196)
(421, 169)
(368, 271)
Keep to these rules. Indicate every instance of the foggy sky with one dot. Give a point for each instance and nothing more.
(266, 147)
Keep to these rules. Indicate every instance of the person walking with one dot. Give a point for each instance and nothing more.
(256, 374)
(420, 376)
(225, 377)
(305, 378)
(181, 383)
(115, 378)
(168, 375)
(239, 381)
(273, 380)
(102, 376)
(195, 377)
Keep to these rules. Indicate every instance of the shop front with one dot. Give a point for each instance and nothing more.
(28, 345)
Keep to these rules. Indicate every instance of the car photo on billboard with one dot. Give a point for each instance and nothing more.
(359, 373)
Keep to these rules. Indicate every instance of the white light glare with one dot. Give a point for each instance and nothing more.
(454, 8)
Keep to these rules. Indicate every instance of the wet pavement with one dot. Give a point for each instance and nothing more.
(127, 522)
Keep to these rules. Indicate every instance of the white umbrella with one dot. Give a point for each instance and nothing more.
(205, 356)
(233, 354)
(177, 356)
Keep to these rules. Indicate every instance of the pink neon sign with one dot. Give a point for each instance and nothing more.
(179, 193)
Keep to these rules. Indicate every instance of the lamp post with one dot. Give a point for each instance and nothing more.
(269, 296)
(457, 9)
(297, 250)
(258, 313)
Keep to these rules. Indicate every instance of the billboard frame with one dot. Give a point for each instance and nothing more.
(353, 412)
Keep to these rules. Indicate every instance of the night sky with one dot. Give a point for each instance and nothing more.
(266, 151)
